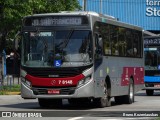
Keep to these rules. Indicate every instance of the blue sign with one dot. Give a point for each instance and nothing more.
(57, 63)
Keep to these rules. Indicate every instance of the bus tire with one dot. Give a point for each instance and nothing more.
(149, 92)
(129, 99)
(104, 101)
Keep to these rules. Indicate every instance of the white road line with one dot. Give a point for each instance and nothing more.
(138, 118)
(75, 118)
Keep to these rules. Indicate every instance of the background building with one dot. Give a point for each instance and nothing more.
(144, 13)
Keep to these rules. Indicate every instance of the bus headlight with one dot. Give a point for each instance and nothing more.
(84, 81)
(26, 82)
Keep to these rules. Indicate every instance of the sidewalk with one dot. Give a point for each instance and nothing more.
(13, 93)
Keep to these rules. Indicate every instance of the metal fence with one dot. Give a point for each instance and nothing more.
(10, 77)
(9, 81)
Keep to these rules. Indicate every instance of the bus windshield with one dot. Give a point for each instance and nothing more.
(61, 48)
(152, 58)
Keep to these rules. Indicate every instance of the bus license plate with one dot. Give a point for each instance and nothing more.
(157, 85)
(53, 91)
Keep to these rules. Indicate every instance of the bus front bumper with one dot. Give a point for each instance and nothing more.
(87, 90)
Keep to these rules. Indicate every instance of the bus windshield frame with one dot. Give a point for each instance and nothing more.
(57, 48)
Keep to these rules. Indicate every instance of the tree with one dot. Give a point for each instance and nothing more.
(12, 12)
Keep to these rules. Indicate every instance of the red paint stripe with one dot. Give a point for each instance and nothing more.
(69, 81)
(136, 72)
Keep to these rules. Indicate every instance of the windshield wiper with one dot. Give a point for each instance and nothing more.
(66, 41)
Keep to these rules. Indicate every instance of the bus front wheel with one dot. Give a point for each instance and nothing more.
(105, 100)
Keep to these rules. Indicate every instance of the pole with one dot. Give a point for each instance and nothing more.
(101, 6)
(3, 66)
(84, 5)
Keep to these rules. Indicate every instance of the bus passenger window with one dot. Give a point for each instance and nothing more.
(107, 48)
(121, 41)
(134, 50)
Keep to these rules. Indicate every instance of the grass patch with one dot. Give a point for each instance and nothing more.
(158, 118)
(2, 92)
(5, 90)
(13, 88)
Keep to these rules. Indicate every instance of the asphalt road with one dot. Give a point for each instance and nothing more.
(140, 109)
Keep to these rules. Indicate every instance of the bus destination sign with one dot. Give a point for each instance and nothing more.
(152, 41)
(55, 21)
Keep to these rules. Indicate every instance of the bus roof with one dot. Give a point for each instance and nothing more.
(149, 34)
(74, 13)
(95, 14)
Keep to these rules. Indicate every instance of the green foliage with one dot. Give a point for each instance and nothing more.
(13, 88)
(12, 12)
(157, 118)
(2, 92)
(5, 90)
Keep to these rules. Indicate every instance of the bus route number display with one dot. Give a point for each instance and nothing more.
(57, 21)
(151, 41)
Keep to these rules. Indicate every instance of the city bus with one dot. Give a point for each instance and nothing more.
(152, 64)
(84, 57)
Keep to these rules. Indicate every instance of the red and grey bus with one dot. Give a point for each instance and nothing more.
(82, 57)
(152, 64)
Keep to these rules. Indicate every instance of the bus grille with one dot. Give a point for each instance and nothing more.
(45, 73)
(55, 72)
(63, 91)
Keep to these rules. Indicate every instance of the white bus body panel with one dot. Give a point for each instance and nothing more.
(110, 67)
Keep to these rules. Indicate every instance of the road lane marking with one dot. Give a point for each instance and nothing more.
(132, 118)
(75, 118)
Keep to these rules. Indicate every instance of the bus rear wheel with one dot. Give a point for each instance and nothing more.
(129, 99)
(104, 101)
(150, 92)
(126, 99)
